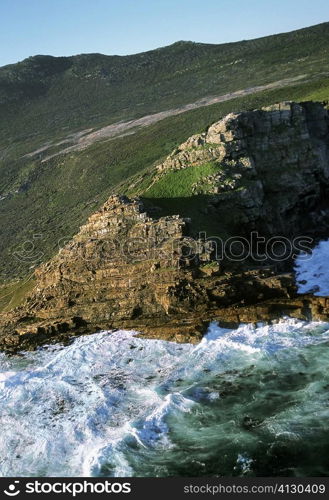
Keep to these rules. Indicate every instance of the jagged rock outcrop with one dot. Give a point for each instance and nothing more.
(125, 269)
(273, 169)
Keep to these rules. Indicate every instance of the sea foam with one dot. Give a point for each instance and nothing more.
(115, 404)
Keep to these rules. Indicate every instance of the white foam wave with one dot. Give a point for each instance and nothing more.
(76, 410)
(312, 271)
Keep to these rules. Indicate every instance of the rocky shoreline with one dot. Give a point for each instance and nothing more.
(126, 269)
(110, 277)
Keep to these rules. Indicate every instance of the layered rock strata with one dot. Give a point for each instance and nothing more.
(273, 169)
(127, 270)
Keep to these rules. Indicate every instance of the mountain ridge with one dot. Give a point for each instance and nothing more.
(178, 43)
(155, 79)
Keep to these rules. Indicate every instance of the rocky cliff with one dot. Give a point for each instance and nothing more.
(270, 171)
(126, 269)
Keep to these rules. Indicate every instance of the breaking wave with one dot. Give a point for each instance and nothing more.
(249, 401)
(312, 271)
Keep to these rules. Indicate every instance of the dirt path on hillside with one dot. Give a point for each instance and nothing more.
(85, 138)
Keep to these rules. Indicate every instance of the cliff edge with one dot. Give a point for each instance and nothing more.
(132, 267)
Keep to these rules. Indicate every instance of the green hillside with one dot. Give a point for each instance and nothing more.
(45, 94)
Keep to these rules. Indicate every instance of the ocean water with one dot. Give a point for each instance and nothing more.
(247, 402)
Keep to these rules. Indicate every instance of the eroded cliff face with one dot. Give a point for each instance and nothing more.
(271, 170)
(125, 269)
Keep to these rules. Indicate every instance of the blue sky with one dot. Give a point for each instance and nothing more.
(66, 27)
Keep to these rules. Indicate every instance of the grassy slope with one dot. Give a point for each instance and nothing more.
(13, 293)
(180, 183)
